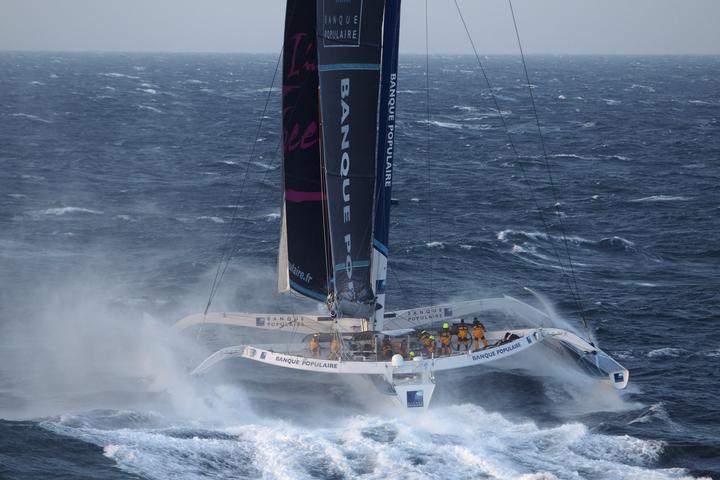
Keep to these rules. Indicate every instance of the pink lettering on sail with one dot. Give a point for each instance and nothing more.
(299, 136)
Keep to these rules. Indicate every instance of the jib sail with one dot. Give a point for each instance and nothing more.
(304, 255)
(349, 54)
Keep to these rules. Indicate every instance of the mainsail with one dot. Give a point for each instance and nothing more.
(304, 246)
(349, 50)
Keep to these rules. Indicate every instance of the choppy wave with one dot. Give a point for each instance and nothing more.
(28, 116)
(119, 75)
(667, 352)
(150, 108)
(662, 198)
(66, 210)
(462, 441)
(211, 218)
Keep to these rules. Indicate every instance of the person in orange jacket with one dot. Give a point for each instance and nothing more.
(478, 333)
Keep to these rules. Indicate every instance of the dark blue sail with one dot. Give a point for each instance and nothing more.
(385, 151)
(304, 255)
(349, 55)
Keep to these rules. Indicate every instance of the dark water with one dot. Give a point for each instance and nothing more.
(118, 178)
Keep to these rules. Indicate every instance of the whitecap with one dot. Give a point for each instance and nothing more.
(36, 83)
(212, 219)
(265, 165)
(439, 245)
(466, 247)
(272, 216)
(562, 97)
(151, 91)
(30, 117)
(148, 107)
(17, 195)
(449, 125)
(268, 89)
(667, 352)
(66, 210)
(119, 75)
(656, 411)
(662, 198)
(52, 75)
(643, 87)
(414, 199)
(610, 101)
(571, 155)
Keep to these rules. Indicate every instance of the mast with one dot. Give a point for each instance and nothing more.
(385, 157)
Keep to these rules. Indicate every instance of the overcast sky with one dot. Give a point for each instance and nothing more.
(546, 26)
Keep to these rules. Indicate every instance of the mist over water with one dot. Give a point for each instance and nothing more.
(118, 184)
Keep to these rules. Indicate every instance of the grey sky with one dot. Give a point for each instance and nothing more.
(547, 26)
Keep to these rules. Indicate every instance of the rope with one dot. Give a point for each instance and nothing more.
(576, 292)
(515, 152)
(228, 249)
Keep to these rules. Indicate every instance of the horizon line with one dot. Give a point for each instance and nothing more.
(438, 54)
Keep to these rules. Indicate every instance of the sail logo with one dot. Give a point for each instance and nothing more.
(345, 175)
(341, 23)
(390, 135)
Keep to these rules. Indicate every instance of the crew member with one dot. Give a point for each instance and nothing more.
(445, 337)
(387, 349)
(334, 349)
(315, 345)
(431, 345)
(425, 340)
(463, 335)
(478, 333)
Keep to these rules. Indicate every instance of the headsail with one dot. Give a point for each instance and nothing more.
(385, 154)
(349, 47)
(304, 255)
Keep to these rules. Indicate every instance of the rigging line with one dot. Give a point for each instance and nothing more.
(427, 148)
(547, 167)
(227, 249)
(516, 154)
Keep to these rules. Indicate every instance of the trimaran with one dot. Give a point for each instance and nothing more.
(340, 63)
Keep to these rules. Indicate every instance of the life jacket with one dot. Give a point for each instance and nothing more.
(462, 333)
(314, 344)
(445, 337)
(334, 346)
(478, 332)
(387, 347)
(426, 340)
(430, 346)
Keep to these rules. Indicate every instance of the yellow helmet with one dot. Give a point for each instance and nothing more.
(445, 325)
(432, 337)
(412, 354)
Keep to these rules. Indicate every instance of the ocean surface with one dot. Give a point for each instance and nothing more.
(119, 176)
